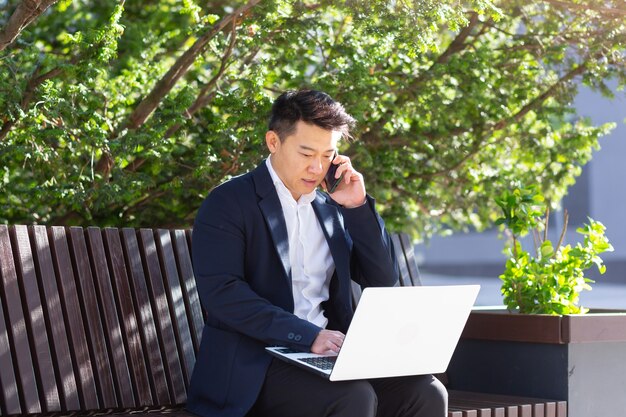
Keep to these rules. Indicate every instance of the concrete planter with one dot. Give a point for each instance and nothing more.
(577, 358)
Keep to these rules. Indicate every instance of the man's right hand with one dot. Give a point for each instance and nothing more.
(327, 341)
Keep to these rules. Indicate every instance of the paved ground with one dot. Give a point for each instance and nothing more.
(603, 295)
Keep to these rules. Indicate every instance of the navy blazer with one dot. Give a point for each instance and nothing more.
(241, 263)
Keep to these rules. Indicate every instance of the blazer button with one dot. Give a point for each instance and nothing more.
(290, 336)
(298, 338)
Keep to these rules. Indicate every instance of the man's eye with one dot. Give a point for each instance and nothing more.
(306, 155)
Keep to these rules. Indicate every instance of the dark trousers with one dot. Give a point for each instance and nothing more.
(292, 392)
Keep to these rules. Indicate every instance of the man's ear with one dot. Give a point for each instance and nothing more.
(272, 141)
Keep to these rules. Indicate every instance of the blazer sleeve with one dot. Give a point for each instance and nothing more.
(219, 250)
(373, 261)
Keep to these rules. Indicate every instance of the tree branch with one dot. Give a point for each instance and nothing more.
(546, 223)
(204, 96)
(458, 44)
(35, 81)
(23, 15)
(537, 101)
(490, 128)
(147, 106)
(36, 7)
(564, 230)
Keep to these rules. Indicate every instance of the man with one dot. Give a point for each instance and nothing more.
(273, 259)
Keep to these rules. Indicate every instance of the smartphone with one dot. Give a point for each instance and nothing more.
(331, 181)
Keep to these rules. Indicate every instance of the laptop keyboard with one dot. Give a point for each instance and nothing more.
(325, 363)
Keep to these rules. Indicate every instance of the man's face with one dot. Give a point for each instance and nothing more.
(302, 158)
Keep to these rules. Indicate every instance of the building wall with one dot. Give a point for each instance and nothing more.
(600, 192)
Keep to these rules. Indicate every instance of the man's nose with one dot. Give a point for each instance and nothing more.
(316, 166)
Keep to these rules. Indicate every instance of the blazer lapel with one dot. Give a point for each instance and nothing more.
(327, 214)
(329, 219)
(269, 203)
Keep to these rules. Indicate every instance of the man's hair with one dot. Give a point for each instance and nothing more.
(310, 106)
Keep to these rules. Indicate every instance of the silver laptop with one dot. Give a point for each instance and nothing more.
(395, 331)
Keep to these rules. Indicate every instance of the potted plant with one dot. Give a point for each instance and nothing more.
(550, 280)
(543, 344)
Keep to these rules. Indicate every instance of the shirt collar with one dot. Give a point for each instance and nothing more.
(283, 190)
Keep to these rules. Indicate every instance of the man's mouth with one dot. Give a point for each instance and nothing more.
(310, 182)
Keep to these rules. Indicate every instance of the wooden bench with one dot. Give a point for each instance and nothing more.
(96, 321)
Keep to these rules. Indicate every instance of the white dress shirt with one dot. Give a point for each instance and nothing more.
(312, 265)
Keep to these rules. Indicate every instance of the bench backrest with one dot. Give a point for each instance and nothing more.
(403, 247)
(95, 318)
(409, 273)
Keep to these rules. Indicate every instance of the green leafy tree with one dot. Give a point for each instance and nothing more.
(115, 113)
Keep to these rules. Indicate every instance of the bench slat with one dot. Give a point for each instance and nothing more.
(464, 412)
(467, 410)
(405, 280)
(409, 253)
(10, 402)
(58, 332)
(73, 319)
(176, 302)
(35, 321)
(540, 407)
(496, 409)
(18, 336)
(110, 319)
(456, 402)
(128, 320)
(167, 339)
(95, 331)
(147, 328)
(188, 285)
(532, 407)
